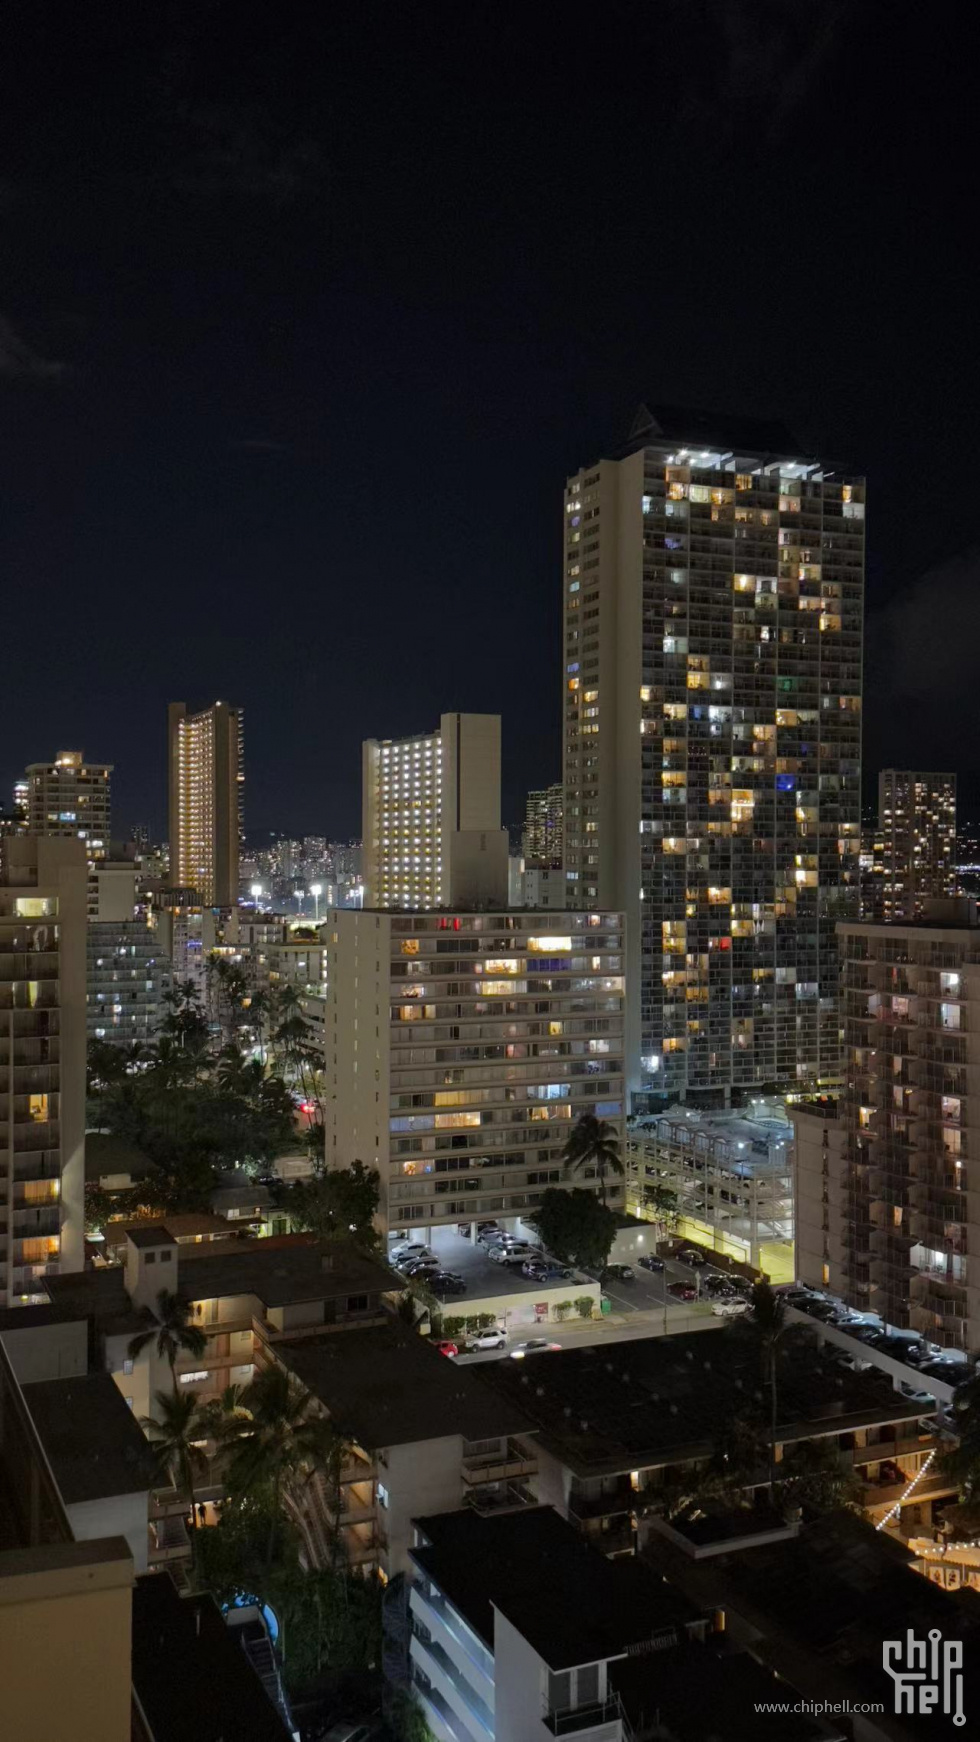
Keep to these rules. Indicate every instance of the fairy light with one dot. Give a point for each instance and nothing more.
(916, 1479)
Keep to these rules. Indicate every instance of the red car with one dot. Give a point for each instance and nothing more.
(446, 1348)
(682, 1290)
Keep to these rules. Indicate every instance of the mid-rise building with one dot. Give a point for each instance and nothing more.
(903, 1228)
(42, 1062)
(71, 797)
(917, 828)
(462, 1047)
(713, 597)
(431, 809)
(127, 975)
(542, 835)
(206, 786)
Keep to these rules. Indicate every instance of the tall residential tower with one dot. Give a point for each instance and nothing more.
(917, 828)
(431, 811)
(70, 797)
(713, 596)
(206, 777)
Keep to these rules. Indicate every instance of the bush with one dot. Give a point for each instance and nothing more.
(562, 1308)
(584, 1306)
(483, 1321)
(452, 1326)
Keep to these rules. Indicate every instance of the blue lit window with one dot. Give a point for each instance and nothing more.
(786, 783)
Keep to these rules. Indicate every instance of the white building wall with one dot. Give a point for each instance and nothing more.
(421, 1478)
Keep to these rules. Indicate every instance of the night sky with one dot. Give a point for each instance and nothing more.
(307, 311)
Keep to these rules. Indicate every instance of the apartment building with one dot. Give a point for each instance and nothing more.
(711, 673)
(462, 1047)
(42, 1062)
(903, 1230)
(431, 817)
(70, 797)
(542, 837)
(206, 760)
(126, 975)
(917, 830)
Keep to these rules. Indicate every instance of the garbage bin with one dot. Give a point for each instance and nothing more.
(605, 1304)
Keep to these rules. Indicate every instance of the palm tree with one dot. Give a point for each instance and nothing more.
(173, 1432)
(769, 1323)
(593, 1142)
(172, 1330)
(283, 1443)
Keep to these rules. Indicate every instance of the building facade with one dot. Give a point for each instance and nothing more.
(127, 978)
(917, 829)
(71, 797)
(461, 1049)
(542, 836)
(905, 1235)
(206, 791)
(431, 815)
(42, 1063)
(713, 597)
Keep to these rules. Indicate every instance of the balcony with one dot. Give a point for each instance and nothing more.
(514, 1465)
(603, 1722)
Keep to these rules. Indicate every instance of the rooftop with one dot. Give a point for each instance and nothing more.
(384, 1386)
(179, 1227)
(190, 1674)
(571, 1603)
(695, 1689)
(149, 1234)
(658, 1400)
(107, 1154)
(90, 1438)
(762, 437)
(281, 1271)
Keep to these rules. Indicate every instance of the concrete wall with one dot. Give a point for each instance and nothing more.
(518, 1311)
(47, 1351)
(125, 1515)
(520, 1684)
(65, 1642)
(421, 1478)
(819, 1194)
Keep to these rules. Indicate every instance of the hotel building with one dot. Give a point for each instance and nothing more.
(460, 1050)
(206, 780)
(542, 835)
(917, 829)
(713, 597)
(71, 797)
(431, 817)
(42, 1063)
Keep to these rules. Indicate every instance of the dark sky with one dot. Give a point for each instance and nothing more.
(306, 312)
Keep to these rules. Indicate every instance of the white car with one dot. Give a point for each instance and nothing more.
(492, 1338)
(409, 1250)
(729, 1309)
(514, 1253)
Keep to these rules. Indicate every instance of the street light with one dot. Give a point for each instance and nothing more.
(256, 891)
(316, 890)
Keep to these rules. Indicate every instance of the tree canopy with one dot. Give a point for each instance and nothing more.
(575, 1227)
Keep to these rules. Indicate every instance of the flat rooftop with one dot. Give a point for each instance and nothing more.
(695, 1690)
(90, 1438)
(383, 1385)
(282, 1271)
(617, 1407)
(571, 1603)
(190, 1673)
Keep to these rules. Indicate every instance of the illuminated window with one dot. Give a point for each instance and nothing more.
(39, 1107)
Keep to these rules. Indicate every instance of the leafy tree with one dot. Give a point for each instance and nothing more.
(283, 1441)
(184, 1023)
(340, 1203)
(100, 1206)
(813, 1477)
(593, 1143)
(173, 1432)
(406, 1719)
(172, 1330)
(575, 1227)
(664, 1204)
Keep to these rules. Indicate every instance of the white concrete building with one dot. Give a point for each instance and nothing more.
(460, 1050)
(42, 1062)
(431, 817)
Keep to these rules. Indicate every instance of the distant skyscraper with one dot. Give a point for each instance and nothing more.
(541, 839)
(431, 806)
(43, 886)
(22, 790)
(712, 742)
(917, 829)
(70, 797)
(206, 778)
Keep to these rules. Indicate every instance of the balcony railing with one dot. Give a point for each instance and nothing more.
(605, 1721)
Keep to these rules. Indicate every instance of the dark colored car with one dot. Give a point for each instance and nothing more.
(650, 1262)
(717, 1286)
(618, 1273)
(682, 1290)
(539, 1270)
(446, 1282)
(691, 1255)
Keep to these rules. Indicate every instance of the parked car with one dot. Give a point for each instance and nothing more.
(414, 1255)
(863, 1333)
(446, 1282)
(511, 1254)
(925, 1398)
(425, 1267)
(691, 1255)
(446, 1347)
(618, 1273)
(649, 1261)
(682, 1290)
(717, 1285)
(543, 1270)
(729, 1308)
(487, 1228)
(493, 1237)
(494, 1337)
(534, 1346)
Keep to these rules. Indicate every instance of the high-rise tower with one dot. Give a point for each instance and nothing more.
(206, 779)
(713, 597)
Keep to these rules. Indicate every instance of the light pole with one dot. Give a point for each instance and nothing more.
(316, 890)
(256, 892)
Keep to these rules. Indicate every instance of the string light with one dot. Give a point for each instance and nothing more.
(916, 1479)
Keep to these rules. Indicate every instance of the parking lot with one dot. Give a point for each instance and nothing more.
(482, 1276)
